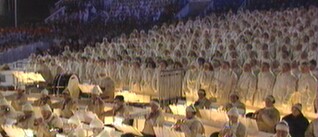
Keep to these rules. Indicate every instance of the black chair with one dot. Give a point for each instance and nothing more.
(215, 134)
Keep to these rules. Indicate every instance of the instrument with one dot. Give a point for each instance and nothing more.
(61, 82)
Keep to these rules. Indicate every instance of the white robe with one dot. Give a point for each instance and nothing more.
(226, 83)
(284, 88)
(147, 79)
(307, 86)
(207, 82)
(134, 75)
(190, 85)
(246, 87)
(265, 84)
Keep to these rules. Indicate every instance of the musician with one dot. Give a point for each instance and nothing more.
(155, 118)
(67, 105)
(19, 99)
(74, 127)
(267, 117)
(233, 127)
(235, 102)
(312, 129)
(203, 101)
(282, 130)
(191, 126)
(26, 120)
(51, 119)
(97, 126)
(44, 99)
(7, 112)
(42, 129)
(96, 105)
(120, 110)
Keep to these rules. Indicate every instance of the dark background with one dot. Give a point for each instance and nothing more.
(28, 11)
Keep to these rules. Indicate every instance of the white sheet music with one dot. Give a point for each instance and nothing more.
(250, 124)
(167, 132)
(218, 118)
(128, 129)
(178, 109)
(13, 131)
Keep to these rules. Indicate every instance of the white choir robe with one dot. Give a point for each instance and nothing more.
(82, 71)
(111, 71)
(146, 84)
(155, 80)
(123, 77)
(190, 85)
(307, 86)
(226, 83)
(135, 75)
(90, 67)
(313, 55)
(284, 88)
(56, 70)
(265, 84)
(207, 82)
(246, 87)
(32, 65)
(45, 72)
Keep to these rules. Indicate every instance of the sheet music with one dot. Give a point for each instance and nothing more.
(13, 131)
(250, 124)
(167, 132)
(127, 129)
(109, 132)
(86, 88)
(218, 118)
(178, 109)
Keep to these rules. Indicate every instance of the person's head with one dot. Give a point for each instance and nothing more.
(96, 92)
(74, 122)
(313, 65)
(191, 111)
(45, 93)
(225, 65)
(154, 105)
(119, 100)
(201, 61)
(4, 106)
(247, 67)
(275, 64)
(294, 65)
(249, 47)
(233, 115)
(299, 47)
(305, 67)
(234, 97)
(163, 64)
(201, 93)
(265, 67)
(269, 101)
(286, 67)
(282, 129)
(66, 94)
(27, 109)
(46, 111)
(304, 55)
(97, 125)
(296, 109)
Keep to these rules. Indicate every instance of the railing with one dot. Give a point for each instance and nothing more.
(58, 3)
(22, 52)
(56, 14)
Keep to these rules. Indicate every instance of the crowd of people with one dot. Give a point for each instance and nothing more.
(116, 11)
(233, 59)
(15, 37)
